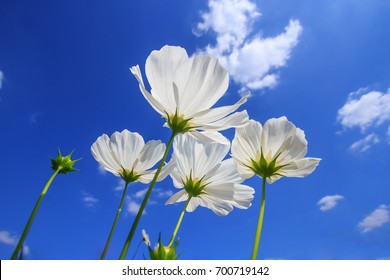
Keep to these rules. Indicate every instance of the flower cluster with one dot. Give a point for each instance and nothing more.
(183, 91)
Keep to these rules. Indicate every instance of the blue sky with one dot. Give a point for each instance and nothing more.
(64, 81)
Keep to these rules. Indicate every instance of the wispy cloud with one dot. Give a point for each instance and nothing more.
(328, 202)
(120, 186)
(88, 199)
(164, 193)
(7, 238)
(132, 206)
(34, 117)
(363, 145)
(251, 60)
(141, 193)
(1, 79)
(133, 200)
(379, 217)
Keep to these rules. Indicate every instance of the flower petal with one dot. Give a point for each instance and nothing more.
(244, 171)
(210, 136)
(102, 153)
(277, 135)
(226, 172)
(300, 168)
(193, 204)
(195, 157)
(150, 154)
(294, 149)
(238, 195)
(176, 178)
(160, 69)
(215, 204)
(152, 101)
(125, 147)
(238, 119)
(215, 114)
(177, 197)
(201, 82)
(247, 142)
(148, 175)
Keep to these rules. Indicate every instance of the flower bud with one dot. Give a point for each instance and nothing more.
(63, 164)
(162, 252)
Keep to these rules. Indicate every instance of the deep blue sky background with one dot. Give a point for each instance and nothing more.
(66, 81)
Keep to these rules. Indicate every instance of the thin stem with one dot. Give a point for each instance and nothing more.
(32, 215)
(179, 222)
(136, 250)
(259, 223)
(115, 222)
(143, 205)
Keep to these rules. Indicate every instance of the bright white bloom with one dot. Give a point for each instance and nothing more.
(275, 151)
(184, 89)
(126, 155)
(203, 175)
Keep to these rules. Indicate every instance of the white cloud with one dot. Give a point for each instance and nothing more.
(141, 193)
(365, 109)
(376, 219)
(328, 202)
(132, 206)
(363, 145)
(8, 239)
(231, 20)
(251, 60)
(88, 199)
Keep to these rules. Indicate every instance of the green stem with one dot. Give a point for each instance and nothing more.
(143, 205)
(259, 223)
(179, 222)
(32, 216)
(115, 222)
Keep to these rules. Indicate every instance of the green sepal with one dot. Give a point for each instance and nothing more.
(129, 176)
(265, 169)
(194, 187)
(178, 124)
(63, 164)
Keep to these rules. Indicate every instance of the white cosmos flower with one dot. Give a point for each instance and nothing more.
(126, 155)
(184, 89)
(203, 175)
(276, 150)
